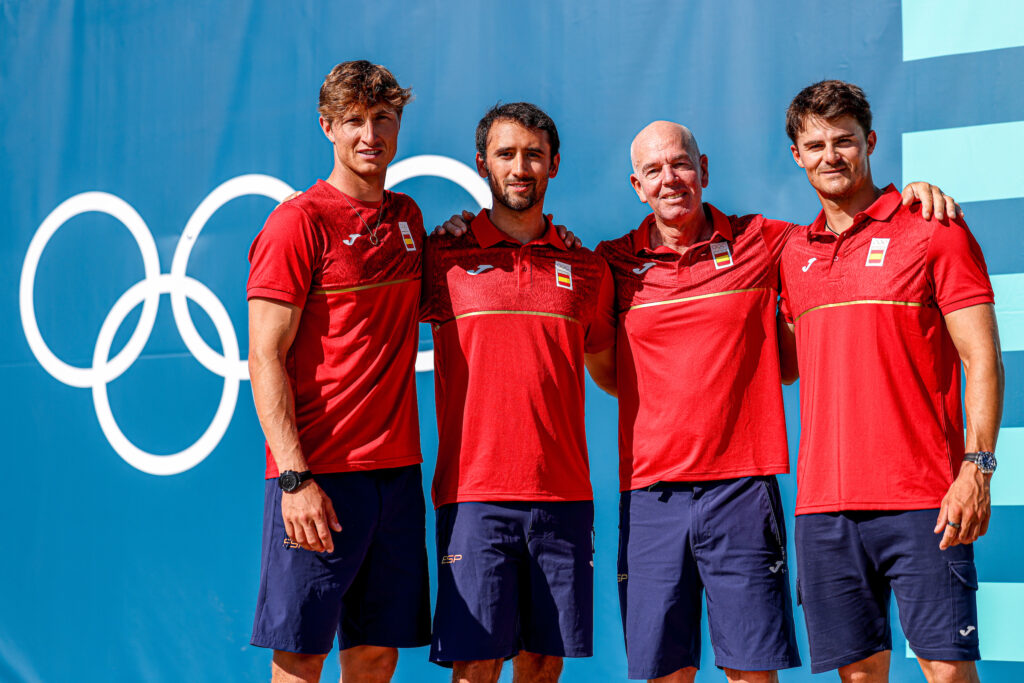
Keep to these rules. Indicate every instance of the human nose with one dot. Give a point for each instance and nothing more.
(519, 165)
(831, 154)
(369, 132)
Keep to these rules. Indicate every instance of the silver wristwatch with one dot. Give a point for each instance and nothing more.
(985, 460)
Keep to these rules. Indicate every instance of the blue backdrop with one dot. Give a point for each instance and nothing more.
(134, 485)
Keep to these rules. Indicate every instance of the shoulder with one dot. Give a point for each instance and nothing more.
(403, 202)
(614, 249)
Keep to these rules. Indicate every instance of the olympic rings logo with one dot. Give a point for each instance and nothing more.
(180, 287)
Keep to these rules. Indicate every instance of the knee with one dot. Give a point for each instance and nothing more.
(685, 675)
(288, 666)
(368, 664)
(480, 671)
(735, 676)
(949, 672)
(874, 669)
(530, 666)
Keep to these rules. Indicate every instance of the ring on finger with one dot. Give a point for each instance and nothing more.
(955, 525)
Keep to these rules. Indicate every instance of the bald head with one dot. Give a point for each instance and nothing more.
(660, 135)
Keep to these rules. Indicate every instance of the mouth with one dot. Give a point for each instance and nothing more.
(369, 153)
(675, 196)
(519, 186)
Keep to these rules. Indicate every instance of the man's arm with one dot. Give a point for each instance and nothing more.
(790, 370)
(968, 503)
(601, 366)
(307, 512)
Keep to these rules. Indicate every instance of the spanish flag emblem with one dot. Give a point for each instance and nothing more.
(563, 275)
(410, 245)
(721, 255)
(876, 254)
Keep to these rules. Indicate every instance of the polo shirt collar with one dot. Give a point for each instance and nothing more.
(487, 234)
(720, 226)
(881, 209)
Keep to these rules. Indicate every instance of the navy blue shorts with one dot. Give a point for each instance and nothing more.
(848, 565)
(725, 538)
(372, 590)
(514, 576)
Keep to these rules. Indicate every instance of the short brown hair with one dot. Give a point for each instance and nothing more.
(828, 100)
(360, 83)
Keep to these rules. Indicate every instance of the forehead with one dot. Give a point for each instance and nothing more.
(360, 109)
(507, 133)
(657, 148)
(815, 128)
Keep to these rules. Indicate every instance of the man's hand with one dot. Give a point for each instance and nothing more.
(931, 197)
(309, 517)
(967, 505)
(457, 225)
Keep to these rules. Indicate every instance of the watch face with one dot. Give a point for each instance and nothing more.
(288, 480)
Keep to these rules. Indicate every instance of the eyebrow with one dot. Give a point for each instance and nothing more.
(649, 166)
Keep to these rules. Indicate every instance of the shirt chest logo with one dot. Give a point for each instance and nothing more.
(351, 239)
(721, 255)
(563, 275)
(876, 253)
(644, 268)
(479, 269)
(410, 245)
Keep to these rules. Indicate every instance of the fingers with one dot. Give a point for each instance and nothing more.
(953, 209)
(468, 215)
(323, 534)
(927, 203)
(940, 521)
(950, 536)
(332, 518)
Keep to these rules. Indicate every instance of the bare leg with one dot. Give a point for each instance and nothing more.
(528, 667)
(292, 667)
(937, 671)
(684, 675)
(873, 669)
(368, 664)
(482, 671)
(736, 676)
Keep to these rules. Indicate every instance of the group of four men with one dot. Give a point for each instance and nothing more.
(879, 304)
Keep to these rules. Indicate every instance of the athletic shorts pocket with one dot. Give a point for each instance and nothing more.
(773, 502)
(963, 585)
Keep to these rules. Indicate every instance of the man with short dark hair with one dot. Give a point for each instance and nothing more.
(516, 315)
(334, 291)
(885, 307)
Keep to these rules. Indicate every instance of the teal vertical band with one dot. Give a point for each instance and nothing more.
(972, 163)
(934, 28)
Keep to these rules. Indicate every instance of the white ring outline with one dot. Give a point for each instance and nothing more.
(191, 456)
(86, 202)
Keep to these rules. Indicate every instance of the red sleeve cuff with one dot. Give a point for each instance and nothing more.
(969, 301)
(276, 295)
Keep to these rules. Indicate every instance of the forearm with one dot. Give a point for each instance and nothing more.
(983, 400)
(275, 407)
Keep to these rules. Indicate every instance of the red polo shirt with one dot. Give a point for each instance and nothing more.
(697, 355)
(351, 364)
(511, 323)
(881, 422)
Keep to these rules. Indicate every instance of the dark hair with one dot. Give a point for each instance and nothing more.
(360, 83)
(525, 114)
(828, 100)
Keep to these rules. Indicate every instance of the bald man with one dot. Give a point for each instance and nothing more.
(702, 432)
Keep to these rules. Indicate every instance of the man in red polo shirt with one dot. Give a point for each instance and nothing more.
(515, 316)
(885, 306)
(334, 291)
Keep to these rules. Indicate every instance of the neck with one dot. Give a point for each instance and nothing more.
(523, 226)
(363, 188)
(681, 237)
(840, 211)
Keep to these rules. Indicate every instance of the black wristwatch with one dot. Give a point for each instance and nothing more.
(985, 460)
(290, 480)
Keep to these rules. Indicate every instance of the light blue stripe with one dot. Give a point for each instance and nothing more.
(999, 608)
(972, 164)
(1009, 291)
(1008, 481)
(933, 28)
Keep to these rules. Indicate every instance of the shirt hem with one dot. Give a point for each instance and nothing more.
(496, 497)
(964, 303)
(705, 476)
(361, 465)
(276, 295)
(895, 506)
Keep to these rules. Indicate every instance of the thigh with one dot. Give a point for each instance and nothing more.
(388, 603)
(740, 546)
(845, 600)
(481, 551)
(557, 605)
(936, 590)
(301, 592)
(659, 586)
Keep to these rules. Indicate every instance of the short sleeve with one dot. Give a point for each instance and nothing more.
(956, 269)
(775, 234)
(784, 306)
(427, 298)
(601, 330)
(283, 257)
